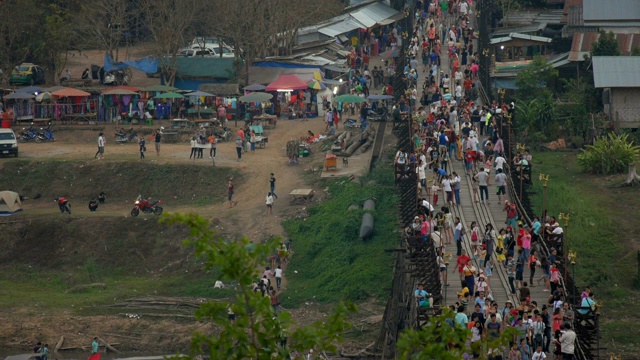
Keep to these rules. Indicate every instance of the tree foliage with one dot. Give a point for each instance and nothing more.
(20, 22)
(610, 154)
(257, 331)
(440, 340)
(606, 45)
(536, 76)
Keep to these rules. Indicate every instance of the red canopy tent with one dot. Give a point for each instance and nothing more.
(287, 83)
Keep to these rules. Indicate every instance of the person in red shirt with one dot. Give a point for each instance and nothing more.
(390, 90)
(461, 262)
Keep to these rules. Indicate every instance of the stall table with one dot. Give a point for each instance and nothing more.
(179, 123)
(301, 196)
(268, 119)
(202, 112)
(78, 118)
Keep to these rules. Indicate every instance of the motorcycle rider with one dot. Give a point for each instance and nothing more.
(63, 204)
(93, 205)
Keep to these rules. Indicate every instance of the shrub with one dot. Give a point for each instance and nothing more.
(611, 154)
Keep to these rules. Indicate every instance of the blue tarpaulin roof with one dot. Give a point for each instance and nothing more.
(147, 64)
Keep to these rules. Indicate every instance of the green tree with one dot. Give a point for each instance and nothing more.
(57, 38)
(606, 45)
(536, 76)
(257, 331)
(440, 340)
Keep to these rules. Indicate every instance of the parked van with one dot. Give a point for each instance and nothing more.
(8, 142)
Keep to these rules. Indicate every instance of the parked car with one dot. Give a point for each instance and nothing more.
(8, 142)
(196, 52)
(27, 74)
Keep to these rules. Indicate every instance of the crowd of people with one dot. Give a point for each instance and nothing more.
(450, 126)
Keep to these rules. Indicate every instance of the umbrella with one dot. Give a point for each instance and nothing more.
(19, 96)
(45, 96)
(169, 95)
(160, 88)
(255, 87)
(119, 92)
(199, 93)
(123, 87)
(349, 99)
(316, 85)
(256, 97)
(390, 54)
(69, 92)
(30, 89)
(380, 97)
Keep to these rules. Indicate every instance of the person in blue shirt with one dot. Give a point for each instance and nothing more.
(588, 304)
(422, 296)
(536, 228)
(94, 346)
(442, 139)
(461, 318)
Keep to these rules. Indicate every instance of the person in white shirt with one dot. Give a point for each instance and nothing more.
(446, 185)
(500, 161)
(463, 7)
(278, 275)
(101, 142)
(538, 354)
(269, 201)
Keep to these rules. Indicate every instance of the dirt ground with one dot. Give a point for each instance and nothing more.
(20, 327)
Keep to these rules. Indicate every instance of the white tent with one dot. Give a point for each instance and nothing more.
(9, 203)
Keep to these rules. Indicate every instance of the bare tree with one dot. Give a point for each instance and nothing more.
(103, 23)
(20, 22)
(170, 23)
(260, 28)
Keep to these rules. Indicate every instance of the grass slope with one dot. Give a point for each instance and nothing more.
(121, 181)
(603, 229)
(332, 263)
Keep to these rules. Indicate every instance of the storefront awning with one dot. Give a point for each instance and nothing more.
(341, 27)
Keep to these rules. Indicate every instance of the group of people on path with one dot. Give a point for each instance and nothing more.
(448, 127)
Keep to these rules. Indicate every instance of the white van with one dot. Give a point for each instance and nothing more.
(8, 142)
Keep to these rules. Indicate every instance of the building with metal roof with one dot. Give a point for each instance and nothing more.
(620, 79)
(619, 13)
(583, 43)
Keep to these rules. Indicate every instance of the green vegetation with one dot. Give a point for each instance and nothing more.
(331, 263)
(173, 184)
(606, 45)
(601, 228)
(611, 154)
(257, 331)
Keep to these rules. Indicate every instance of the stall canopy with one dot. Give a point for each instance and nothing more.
(9, 203)
(30, 89)
(287, 83)
(19, 96)
(70, 92)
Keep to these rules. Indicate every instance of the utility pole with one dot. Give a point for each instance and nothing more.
(485, 10)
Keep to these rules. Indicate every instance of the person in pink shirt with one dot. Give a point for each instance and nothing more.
(526, 243)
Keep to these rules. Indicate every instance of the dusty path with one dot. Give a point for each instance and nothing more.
(256, 167)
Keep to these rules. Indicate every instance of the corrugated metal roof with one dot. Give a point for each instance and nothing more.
(373, 14)
(616, 71)
(583, 42)
(518, 36)
(598, 10)
(535, 27)
(341, 27)
(553, 17)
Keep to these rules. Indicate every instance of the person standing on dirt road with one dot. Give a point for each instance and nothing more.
(158, 138)
(143, 146)
(269, 201)
(239, 146)
(100, 152)
(231, 190)
(272, 186)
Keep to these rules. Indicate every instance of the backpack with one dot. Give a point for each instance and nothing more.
(474, 235)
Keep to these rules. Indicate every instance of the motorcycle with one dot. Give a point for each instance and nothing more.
(145, 206)
(115, 78)
(63, 204)
(28, 134)
(223, 135)
(123, 137)
(45, 135)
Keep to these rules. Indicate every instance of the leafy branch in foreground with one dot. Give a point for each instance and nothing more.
(256, 331)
